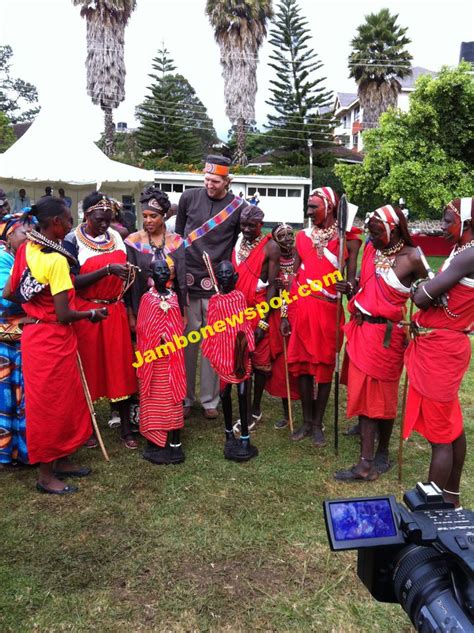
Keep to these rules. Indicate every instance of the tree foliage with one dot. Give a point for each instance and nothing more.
(105, 64)
(239, 29)
(174, 121)
(7, 138)
(299, 100)
(15, 94)
(377, 62)
(425, 155)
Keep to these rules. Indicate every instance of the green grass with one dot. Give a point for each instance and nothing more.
(205, 546)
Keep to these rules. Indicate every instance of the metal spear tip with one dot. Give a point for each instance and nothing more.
(342, 214)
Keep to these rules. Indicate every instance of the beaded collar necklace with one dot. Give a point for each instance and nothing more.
(42, 240)
(247, 247)
(322, 237)
(460, 249)
(384, 258)
(104, 245)
(286, 265)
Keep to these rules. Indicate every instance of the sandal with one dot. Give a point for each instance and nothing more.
(129, 442)
(255, 418)
(353, 475)
(67, 490)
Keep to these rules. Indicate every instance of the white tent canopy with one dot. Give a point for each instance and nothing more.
(48, 155)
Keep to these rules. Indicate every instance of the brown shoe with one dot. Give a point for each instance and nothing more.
(210, 414)
(186, 412)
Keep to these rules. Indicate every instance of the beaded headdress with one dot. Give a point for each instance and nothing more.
(282, 230)
(387, 216)
(104, 204)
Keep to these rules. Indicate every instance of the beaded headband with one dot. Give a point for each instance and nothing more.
(104, 204)
(281, 229)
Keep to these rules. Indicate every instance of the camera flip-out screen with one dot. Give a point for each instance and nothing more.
(356, 523)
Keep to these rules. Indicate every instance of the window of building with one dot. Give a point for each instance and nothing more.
(355, 141)
(166, 186)
(294, 193)
(281, 193)
(271, 192)
(251, 191)
(191, 187)
(178, 187)
(356, 114)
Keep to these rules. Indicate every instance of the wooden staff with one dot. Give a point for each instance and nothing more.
(341, 229)
(402, 420)
(91, 408)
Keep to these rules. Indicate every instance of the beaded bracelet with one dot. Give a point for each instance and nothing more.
(284, 311)
(415, 284)
(263, 325)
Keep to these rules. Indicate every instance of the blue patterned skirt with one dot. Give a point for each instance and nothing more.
(12, 405)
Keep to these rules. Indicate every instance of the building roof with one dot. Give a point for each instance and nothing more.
(408, 83)
(346, 98)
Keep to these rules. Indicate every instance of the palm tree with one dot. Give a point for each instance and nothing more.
(106, 22)
(378, 61)
(239, 29)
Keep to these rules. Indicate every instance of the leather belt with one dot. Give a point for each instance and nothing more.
(360, 318)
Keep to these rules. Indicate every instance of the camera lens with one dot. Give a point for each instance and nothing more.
(420, 574)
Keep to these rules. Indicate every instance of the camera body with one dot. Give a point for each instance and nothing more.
(420, 554)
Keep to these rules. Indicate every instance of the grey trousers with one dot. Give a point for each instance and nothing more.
(197, 318)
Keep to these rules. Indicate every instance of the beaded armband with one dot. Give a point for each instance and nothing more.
(284, 310)
(263, 325)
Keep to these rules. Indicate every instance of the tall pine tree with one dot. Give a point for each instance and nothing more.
(300, 101)
(174, 122)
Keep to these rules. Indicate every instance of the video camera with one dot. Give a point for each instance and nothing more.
(421, 555)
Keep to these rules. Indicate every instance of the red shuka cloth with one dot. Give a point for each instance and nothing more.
(249, 274)
(58, 419)
(219, 349)
(375, 370)
(162, 381)
(436, 363)
(105, 347)
(312, 345)
(365, 342)
(276, 382)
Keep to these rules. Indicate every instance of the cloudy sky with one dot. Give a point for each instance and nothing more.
(48, 40)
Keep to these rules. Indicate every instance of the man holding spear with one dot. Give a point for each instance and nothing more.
(376, 338)
(312, 346)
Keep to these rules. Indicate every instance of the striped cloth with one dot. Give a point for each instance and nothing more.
(219, 349)
(162, 381)
(221, 217)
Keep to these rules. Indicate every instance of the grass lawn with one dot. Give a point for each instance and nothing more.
(206, 546)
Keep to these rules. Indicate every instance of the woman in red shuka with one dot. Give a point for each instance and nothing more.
(439, 354)
(101, 279)
(59, 421)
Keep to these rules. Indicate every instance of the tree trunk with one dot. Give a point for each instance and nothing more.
(109, 132)
(240, 157)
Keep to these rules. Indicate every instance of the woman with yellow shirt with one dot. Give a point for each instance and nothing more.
(59, 421)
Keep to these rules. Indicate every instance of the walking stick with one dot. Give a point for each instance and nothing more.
(91, 408)
(288, 390)
(402, 420)
(341, 230)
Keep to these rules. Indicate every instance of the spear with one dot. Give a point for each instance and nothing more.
(345, 216)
